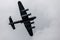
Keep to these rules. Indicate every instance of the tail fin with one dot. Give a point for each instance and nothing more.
(11, 23)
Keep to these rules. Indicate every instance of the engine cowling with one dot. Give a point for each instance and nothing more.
(26, 15)
(25, 10)
(33, 27)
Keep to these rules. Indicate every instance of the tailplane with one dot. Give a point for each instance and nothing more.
(11, 23)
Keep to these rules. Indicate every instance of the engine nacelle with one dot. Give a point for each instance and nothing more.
(25, 10)
(26, 15)
(31, 22)
(33, 27)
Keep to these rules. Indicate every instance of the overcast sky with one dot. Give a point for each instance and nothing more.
(47, 22)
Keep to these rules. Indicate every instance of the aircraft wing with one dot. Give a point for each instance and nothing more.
(21, 8)
(29, 28)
